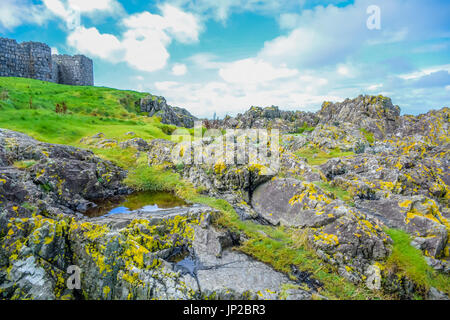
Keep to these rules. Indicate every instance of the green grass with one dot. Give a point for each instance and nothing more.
(410, 262)
(90, 110)
(145, 178)
(24, 164)
(316, 156)
(305, 128)
(339, 193)
(367, 135)
(29, 94)
(283, 247)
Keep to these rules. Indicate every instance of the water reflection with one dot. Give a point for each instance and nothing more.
(148, 201)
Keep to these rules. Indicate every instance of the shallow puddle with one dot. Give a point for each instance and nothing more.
(148, 201)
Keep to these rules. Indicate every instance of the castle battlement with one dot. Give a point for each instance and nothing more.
(35, 60)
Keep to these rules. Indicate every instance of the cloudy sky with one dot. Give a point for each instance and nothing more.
(225, 56)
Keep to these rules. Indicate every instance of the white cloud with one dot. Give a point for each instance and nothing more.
(143, 44)
(86, 6)
(424, 72)
(91, 42)
(206, 61)
(70, 11)
(289, 90)
(343, 70)
(319, 36)
(203, 99)
(179, 69)
(251, 71)
(289, 20)
(221, 10)
(329, 35)
(14, 13)
(57, 7)
(375, 87)
(183, 26)
(145, 50)
(173, 22)
(165, 85)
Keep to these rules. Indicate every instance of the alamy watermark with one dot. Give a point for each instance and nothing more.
(259, 147)
(374, 20)
(74, 280)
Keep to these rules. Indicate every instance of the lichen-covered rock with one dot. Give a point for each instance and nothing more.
(223, 273)
(234, 183)
(170, 254)
(433, 126)
(344, 136)
(53, 178)
(295, 203)
(160, 152)
(99, 141)
(340, 235)
(295, 167)
(352, 242)
(418, 215)
(269, 117)
(375, 114)
(137, 143)
(157, 106)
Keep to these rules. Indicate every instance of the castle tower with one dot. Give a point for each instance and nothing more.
(73, 70)
(34, 60)
(26, 60)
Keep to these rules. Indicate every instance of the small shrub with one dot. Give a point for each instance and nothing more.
(46, 187)
(360, 147)
(305, 128)
(4, 95)
(61, 108)
(367, 135)
(24, 164)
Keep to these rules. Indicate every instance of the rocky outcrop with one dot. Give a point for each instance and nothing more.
(416, 215)
(341, 235)
(157, 106)
(375, 114)
(171, 254)
(403, 183)
(291, 202)
(269, 117)
(431, 127)
(396, 178)
(53, 178)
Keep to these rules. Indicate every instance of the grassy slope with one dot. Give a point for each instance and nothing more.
(113, 112)
(409, 261)
(90, 110)
(315, 156)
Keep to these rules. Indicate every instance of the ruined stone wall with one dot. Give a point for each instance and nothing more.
(27, 60)
(34, 60)
(73, 70)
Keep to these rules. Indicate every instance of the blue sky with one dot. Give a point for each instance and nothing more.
(225, 56)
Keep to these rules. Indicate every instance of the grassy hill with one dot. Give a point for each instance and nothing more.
(30, 106)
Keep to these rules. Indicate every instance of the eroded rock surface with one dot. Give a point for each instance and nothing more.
(170, 254)
(53, 178)
(157, 106)
(341, 235)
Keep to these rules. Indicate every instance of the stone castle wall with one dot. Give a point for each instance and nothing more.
(74, 70)
(34, 60)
